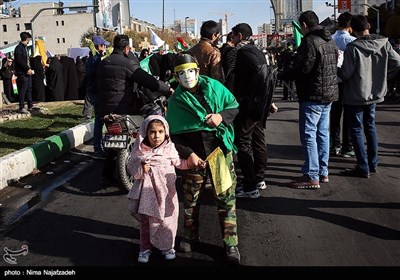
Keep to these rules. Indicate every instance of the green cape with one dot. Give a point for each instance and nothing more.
(185, 113)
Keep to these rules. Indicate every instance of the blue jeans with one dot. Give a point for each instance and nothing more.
(360, 116)
(314, 138)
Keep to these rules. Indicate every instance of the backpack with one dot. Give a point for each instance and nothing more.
(264, 85)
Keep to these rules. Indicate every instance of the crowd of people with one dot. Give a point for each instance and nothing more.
(27, 79)
(199, 127)
(210, 124)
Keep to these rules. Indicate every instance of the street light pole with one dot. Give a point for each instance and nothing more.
(55, 8)
(377, 17)
(163, 16)
(334, 8)
(186, 25)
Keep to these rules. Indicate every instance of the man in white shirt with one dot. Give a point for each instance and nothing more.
(345, 148)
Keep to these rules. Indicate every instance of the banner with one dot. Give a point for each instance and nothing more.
(344, 6)
(220, 173)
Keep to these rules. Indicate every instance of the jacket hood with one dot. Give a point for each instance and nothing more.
(143, 128)
(322, 32)
(370, 44)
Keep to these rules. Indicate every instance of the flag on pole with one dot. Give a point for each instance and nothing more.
(181, 44)
(14, 84)
(155, 40)
(297, 33)
(144, 64)
(41, 50)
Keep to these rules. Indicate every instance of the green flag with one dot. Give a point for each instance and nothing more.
(144, 64)
(297, 33)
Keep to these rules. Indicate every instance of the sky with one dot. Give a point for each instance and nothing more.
(253, 12)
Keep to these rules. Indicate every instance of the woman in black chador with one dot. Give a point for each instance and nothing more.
(6, 74)
(38, 88)
(54, 80)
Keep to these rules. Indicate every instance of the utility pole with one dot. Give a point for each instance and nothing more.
(163, 16)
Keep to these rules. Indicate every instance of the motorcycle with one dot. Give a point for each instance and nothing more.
(122, 131)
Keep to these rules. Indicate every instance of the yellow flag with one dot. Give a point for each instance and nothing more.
(220, 173)
(40, 49)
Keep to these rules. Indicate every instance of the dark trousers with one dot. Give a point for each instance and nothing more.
(252, 151)
(335, 118)
(24, 84)
(286, 92)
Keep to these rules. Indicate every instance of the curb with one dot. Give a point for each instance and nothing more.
(23, 162)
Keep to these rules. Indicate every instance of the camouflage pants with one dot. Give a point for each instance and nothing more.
(193, 185)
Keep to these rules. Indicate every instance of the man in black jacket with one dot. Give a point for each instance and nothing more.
(115, 77)
(249, 131)
(23, 72)
(315, 74)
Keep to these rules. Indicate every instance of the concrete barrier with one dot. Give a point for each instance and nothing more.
(23, 162)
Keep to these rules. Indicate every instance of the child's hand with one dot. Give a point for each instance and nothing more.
(201, 164)
(146, 167)
(273, 108)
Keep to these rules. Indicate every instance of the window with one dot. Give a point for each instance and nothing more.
(58, 40)
(18, 27)
(28, 26)
(4, 28)
(62, 23)
(57, 22)
(63, 40)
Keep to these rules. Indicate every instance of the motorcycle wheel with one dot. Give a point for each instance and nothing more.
(123, 156)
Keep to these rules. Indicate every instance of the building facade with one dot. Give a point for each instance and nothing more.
(59, 31)
(287, 10)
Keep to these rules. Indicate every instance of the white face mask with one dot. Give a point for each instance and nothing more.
(188, 78)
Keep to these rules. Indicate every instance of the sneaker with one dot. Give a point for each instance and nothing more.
(356, 172)
(373, 170)
(169, 255)
(261, 185)
(304, 182)
(187, 245)
(348, 154)
(232, 254)
(23, 111)
(323, 179)
(144, 256)
(239, 188)
(335, 151)
(251, 194)
(99, 155)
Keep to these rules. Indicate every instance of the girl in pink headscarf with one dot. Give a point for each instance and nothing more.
(153, 195)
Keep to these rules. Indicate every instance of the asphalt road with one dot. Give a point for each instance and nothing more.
(349, 222)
